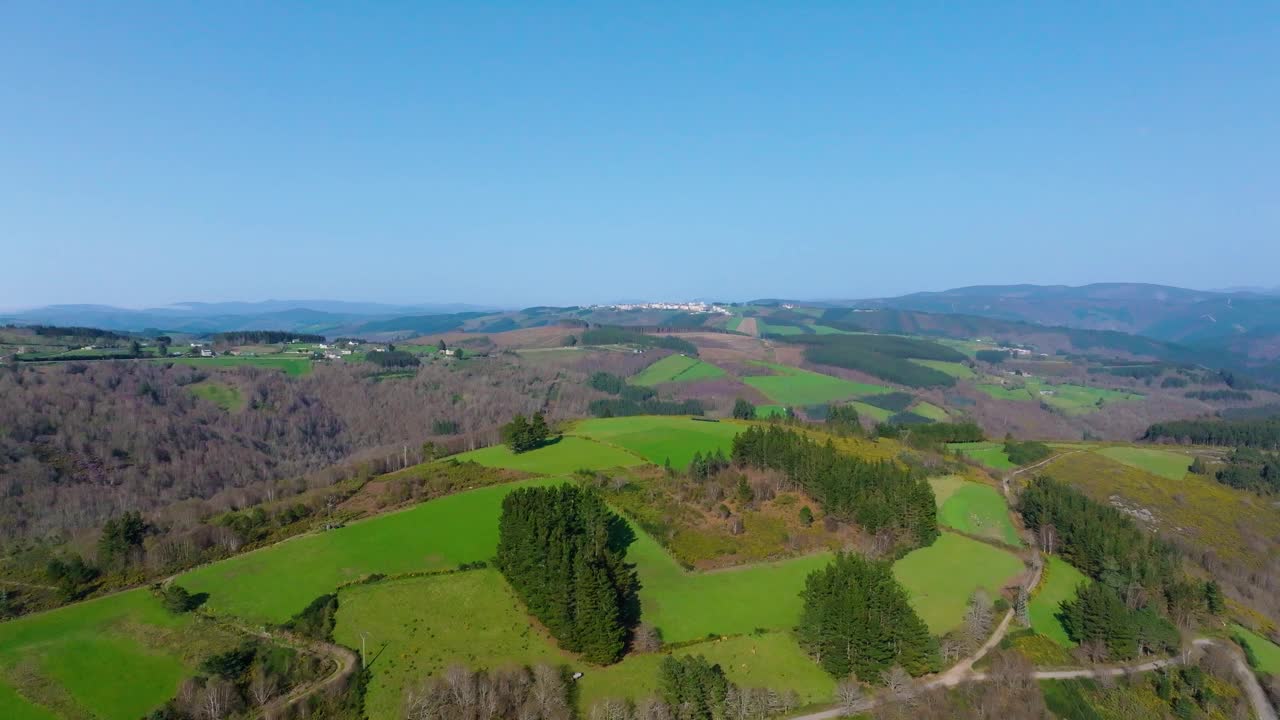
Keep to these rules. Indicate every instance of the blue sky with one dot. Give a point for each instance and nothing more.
(513, 154)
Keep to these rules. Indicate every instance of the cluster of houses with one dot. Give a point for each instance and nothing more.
(693, 307)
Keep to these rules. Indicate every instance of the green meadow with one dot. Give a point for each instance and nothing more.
(768, 411)
(568, 454)
(929, 410)
(661, 438)
(878, 414)
(1058, 585)
(117, 657)
(941, 578)
(991, 454)
(1264, 651)
(676, 368)
(1069, 398)
(274, 583)
(1165, 463)
(227, 397)
(294, 366)
(956, 370)
(795, 387)
(975, 509)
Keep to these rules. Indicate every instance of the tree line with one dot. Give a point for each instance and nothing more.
(617, 385)
(564, 554)
(1248, 469)
(393, 359)
(1261, 433)
(615, 335)
(523, 435)
(879, 495)
(857, 620)
(621, 407)
(263, 337)
(1139, 587)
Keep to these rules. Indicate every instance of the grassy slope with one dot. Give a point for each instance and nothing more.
(227, 397)
(560, 458)
(979, 510)
(119, 656)
(290, 366)
(271, 584)
(676, 368)
(941, 578)
(13, 707)
(1267, 652)
(878, 414)
(929, 410)
(658, 438)
(990, 454)
(956, 370)
(793, 386)
(1059, 583)
(417, 627)
(1165, 463)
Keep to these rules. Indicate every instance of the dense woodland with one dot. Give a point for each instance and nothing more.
(1140, 592)
(1263, 433)
(1249, 469)
(858, 620)
(612, 335)
(263, 337)
(881, 496)
(564, 553)
(84, 442)
(883, 356)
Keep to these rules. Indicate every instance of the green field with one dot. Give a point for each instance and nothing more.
(793, 386)
(567, 455)
(990, 454)
(956, 370)
(1266, 652)
(117, 657)
(274, 583)
(676, 368)
(294, 366)
(661, 438)
(968, 347)
(1059, 584)
(1000, 392)
(765, 328)
(417, 627)
(975, 509)
(227, 397)
(1069, 398)
(773, 660)
(929, 410)
(767, 411)
(941, 578)
(1166, 464)
(878, 414)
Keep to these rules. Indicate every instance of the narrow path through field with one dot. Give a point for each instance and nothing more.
(1005, 480)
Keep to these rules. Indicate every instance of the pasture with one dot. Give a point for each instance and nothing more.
(227, 397)
(1076, 399)
(116, 657)
(676, 368)
(658, 438)
(768, 411)
(795, 387)
(570, 453)
(878, 414)
(1058, 585)
(274, 583)
(941, 578)
(974, 508)
(929, 410)
(1266, 652)
(1165, 463)
(293, 366)
(959, 371)
(991, 454)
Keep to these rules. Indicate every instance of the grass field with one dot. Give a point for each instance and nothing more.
(116, 657)
(975, 509)
(941, 578)
(417, 627)
(766, 328)
(659, 438)
(225, 396)
(1266, 652)
(956, 370)
(676, 368)
(1059, 584)
(560, 458)
(793, 386)
(990, 454)
(929, 410)
(1068, 398)
(773, 660)
(290, 366)
(1166, 464)
(767, 411)
(1000, 392)
(878, 414)
(272, 584)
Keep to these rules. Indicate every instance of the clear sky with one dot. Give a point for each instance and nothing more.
(521, 153)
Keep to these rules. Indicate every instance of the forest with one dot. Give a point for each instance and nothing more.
(564, 553)
(1249, 469)
(1140, 596)
(883, 356)
(263, 337)
(878, 495)
(1262, 433)
(857, 620)
(613, 335)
